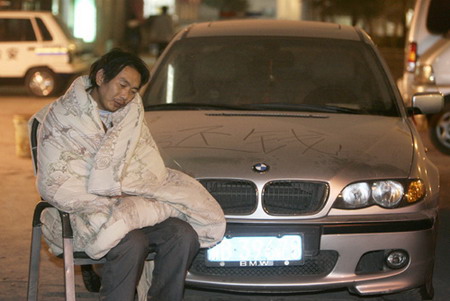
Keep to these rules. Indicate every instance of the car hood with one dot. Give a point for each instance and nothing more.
(309, 146)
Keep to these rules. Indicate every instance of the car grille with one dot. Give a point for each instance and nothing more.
(319, 265)
(293, 197)
(234, 196)
(240, 197)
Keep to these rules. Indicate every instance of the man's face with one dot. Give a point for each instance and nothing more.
(118, 92)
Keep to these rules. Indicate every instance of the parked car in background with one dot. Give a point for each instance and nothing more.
(37, 49)
(299, 132)
(427, 63)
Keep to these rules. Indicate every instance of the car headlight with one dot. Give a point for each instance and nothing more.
(356, 195)
(387, 193)
(384, 193)
(424, 74)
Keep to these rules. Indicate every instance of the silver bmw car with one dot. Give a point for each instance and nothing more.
(299, 132)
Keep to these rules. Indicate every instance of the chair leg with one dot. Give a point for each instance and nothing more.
(35, 257)
(69, 275)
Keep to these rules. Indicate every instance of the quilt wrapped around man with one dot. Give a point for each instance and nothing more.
(112, 182)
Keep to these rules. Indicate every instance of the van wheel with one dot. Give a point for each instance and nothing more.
(41, 82)
(439, 127)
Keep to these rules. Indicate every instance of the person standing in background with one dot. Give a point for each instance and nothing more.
(161, 29)
(134, 20)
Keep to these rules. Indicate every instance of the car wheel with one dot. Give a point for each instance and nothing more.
(424, 293)
(439, 127)
(41, 82)
(91, 279)
(427, 291)
(409, 295)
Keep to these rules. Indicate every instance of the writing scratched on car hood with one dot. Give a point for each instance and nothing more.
(341, 143)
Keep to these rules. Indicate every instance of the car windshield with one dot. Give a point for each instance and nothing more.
(277, 74)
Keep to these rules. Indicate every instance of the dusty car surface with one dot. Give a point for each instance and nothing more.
(300, 133)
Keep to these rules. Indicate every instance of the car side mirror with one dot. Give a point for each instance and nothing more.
(426, 103)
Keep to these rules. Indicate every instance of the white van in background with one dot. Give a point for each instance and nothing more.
(427, 63)
(37, 49)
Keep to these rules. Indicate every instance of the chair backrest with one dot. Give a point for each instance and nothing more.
(33, 141)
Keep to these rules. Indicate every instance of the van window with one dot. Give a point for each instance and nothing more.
(13, 30)
(46, 35)
(438, 19)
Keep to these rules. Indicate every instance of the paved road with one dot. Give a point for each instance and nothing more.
(18, 198)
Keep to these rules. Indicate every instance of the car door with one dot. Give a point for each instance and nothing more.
(18, 41)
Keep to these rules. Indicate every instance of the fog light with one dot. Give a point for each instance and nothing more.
(397, 259)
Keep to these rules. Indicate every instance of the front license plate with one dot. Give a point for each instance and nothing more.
(253, 251)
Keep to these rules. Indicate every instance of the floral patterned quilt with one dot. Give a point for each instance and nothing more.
(113, 181)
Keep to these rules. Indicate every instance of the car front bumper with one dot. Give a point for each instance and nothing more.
(336, 263)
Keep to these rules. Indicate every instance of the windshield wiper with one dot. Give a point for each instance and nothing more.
(258, 106)
(303, 108)
(340, 109)
(190, 106)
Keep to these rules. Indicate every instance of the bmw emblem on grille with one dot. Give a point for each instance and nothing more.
(260, 167)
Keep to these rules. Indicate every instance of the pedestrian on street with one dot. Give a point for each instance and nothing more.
(161, 29)
(134, 21)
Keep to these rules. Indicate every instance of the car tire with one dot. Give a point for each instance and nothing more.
(427, 291)
(41, 82)
(409, 295)
(424, 293)
(91, 279)
(439, 128)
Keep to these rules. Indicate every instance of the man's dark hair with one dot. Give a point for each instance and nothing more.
(113, 63)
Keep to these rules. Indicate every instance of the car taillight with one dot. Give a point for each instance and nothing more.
(71, 51)
(412, 57)
(70, 56)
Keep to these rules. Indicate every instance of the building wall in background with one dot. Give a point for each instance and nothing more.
(110, 16)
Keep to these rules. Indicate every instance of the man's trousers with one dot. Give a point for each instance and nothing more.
(176, 244)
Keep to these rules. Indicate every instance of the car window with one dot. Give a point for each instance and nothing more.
(46, 36)
(12, 30)
(438, 20)
(273, 73)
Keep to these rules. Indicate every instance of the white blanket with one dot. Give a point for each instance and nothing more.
(112, 182)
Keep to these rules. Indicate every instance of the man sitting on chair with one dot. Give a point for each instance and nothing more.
(98, 161)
